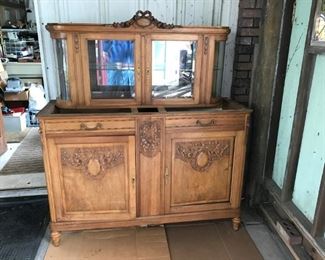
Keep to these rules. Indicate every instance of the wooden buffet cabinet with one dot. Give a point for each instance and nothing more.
(136, 136)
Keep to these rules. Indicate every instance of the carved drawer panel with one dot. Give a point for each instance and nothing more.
(90, 125)
(221, 122)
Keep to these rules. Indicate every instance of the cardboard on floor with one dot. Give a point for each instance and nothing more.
(210, 241)
(118, 244)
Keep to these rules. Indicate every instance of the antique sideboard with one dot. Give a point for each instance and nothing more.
(136, 136)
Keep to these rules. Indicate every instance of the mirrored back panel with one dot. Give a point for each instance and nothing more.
(173, 69)
(111, 69)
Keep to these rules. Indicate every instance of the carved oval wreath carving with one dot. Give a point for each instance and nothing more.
(150, 135)
(93, 162)
(202, 154)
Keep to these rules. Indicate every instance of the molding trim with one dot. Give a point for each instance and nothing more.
(144, 19)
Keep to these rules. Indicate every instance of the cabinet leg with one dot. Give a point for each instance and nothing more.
(56, 237)
(236, 223)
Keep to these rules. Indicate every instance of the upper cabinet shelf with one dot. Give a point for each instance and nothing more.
(139, 62)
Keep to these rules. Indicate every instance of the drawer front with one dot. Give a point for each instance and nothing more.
(221, 122)
(90, 125)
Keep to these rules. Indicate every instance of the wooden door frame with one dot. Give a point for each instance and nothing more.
(3, 142)
(264, 189)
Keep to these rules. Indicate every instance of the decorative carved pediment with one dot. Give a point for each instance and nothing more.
(93, 162)
(144, 19)
(150, 138)
(201, 154)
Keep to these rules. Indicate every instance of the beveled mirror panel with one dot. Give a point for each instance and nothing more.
(173, 69)
(62, 69)
(111, 69)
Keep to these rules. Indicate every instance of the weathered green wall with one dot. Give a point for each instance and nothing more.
(297, 44)
(312, 153)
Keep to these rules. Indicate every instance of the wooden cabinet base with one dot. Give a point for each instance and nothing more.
(107, 170)
(58, 227)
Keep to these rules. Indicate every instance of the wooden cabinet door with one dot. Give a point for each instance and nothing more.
(199, 171)
(111, 69)
(93, 178)
(173, 69)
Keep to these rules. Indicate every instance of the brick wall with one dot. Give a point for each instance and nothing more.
(247, 35)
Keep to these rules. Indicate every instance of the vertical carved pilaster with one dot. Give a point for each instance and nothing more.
(76, 42)
(150, 138)
(206, 45)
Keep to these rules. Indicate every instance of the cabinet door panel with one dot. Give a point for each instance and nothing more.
(112, 69)
(173, 68)
(95, 177)
(200, 166)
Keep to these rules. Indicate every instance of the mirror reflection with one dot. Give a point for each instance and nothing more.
(173, 65)
(111, 67)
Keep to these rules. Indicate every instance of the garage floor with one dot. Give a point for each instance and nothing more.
(18, 178)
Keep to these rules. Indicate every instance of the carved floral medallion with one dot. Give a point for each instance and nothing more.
(202, 154)
(150, 138)
(93, 162)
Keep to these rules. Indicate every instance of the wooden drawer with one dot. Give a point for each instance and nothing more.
(221, 122)
(90, 125)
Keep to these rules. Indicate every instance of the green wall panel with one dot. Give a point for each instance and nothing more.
(312, 153)
(296, 50)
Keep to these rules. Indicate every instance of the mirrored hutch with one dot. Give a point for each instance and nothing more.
(135, 136)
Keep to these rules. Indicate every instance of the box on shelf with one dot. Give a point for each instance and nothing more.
(19, 96)
(15, 122)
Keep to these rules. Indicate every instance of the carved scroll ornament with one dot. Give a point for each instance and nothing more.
(150, 135)
(202, 154)
(93, 162)
(144, 19)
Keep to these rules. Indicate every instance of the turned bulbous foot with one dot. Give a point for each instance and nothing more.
(235, 223)
(56, 237)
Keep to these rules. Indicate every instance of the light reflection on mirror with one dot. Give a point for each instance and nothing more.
(111, 65)
(173, 65)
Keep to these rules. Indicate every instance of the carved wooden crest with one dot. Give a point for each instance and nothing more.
(144, 19)
(201, 154)
(150, 135)
(93, 162)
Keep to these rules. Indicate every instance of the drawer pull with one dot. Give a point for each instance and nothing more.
(98, 126)
(210, 123)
